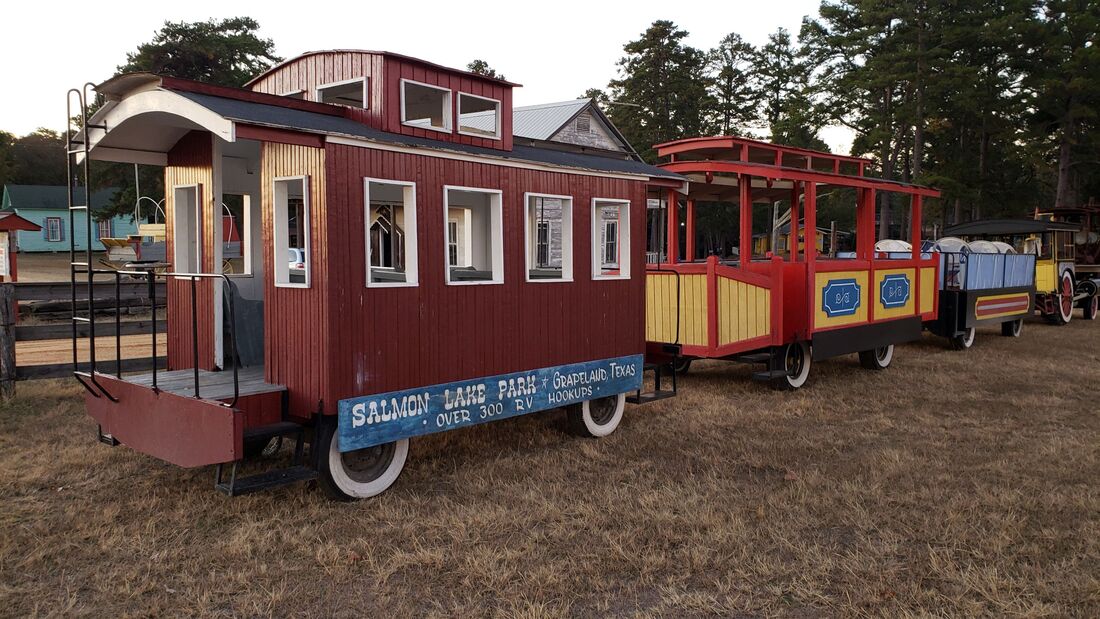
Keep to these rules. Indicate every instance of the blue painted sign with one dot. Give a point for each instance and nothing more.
(840, 297)
(367, 421)
(894, 290)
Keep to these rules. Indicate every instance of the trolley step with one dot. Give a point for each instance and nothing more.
(265, 480)
(769, 375)
(660, 391)
(282, 428)
(758, 357)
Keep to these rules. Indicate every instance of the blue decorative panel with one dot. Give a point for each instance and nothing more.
(367, 421)
(840, 297)
(894, 290)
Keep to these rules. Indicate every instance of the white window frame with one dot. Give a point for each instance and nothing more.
(198, 228)
(412, 265)
(449, 112)
(458, 115)
(496, 225)
(99, 228)
(366, 90)
(49, 233)
(300, 91)
(281, 236)
(447, 238)
(566, 237)
(624, 238)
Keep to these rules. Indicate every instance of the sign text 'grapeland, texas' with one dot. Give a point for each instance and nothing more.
(367, 421)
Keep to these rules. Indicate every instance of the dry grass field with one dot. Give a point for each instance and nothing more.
(951, 484)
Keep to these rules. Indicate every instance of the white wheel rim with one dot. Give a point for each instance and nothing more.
(363, 490)
(597, 429)
(886, 357)
(799, 379)
(968, 339)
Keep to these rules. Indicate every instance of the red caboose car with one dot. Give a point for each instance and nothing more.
(407, 264)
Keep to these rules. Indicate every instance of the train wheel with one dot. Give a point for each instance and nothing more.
(1089, 309)
(681, 365)
(362, 473)
(796, 364)
(1012, 328)
(1063, 310)
(964, 340)
(877, 359)
(597, 418)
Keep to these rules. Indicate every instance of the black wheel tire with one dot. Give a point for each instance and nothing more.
(1090, 307)
(877, 359)
(263, 448)
(965, 339)
(797, 360)
(359, 474)
(681, 365)
(596, 418)
(1012, 328)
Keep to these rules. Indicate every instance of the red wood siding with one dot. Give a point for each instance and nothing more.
(189, 163)
(383, 339)
(385, 73)
(296, 320)
(397, 69)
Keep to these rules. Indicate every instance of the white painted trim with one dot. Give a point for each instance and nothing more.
(497, 135)
(306, 202)
(126, 155)
(412, 267)
(366, 90)
(624, 239)
(496, 225)
(566, 239)
(300, 91)
(483, 159)
(161, 102)
(448, 117)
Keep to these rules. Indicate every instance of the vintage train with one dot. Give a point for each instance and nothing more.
(410, 254)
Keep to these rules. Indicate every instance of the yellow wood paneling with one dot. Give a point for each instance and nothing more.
(661, 308)
(743, 311)
(927, 290)
(821, 319)
(893, 312)
(1046, 276)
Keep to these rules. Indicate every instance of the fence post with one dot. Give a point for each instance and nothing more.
(7, 341)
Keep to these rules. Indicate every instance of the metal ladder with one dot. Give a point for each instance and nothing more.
(77, 161)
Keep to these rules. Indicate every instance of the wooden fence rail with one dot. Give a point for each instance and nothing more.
(134, 294)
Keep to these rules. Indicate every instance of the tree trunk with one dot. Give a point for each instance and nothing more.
(1063, 195)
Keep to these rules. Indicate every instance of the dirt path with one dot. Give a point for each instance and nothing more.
(44, 352)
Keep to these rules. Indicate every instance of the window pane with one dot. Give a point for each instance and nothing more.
(235, 234)
(426, 107)
(350, 94)
(549, 251)
(187, 230)
(610, 239)
(292, 232)
(478, 116)
(477, 237)
(391, 233)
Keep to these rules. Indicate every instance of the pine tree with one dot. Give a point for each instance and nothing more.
(662, 90)
(734, 91)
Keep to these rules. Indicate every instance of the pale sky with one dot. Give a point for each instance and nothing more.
(556, 49)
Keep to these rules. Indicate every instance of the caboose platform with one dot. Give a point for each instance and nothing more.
(212, 385)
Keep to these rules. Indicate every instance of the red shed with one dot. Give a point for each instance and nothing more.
(404, 266)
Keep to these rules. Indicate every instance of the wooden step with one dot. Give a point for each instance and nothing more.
(651, 396)
(769, 375)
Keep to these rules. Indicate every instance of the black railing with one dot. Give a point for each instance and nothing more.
(234, 358)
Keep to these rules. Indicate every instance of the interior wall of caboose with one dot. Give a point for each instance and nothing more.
(483, 238)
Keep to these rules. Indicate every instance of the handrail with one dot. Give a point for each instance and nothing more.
(235, 360)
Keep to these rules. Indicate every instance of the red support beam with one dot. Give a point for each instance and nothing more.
(744, 183)
(795, 217)
(811, 222)
(673, 227)
(689, 250)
